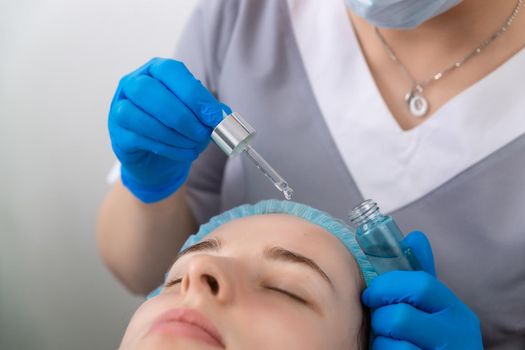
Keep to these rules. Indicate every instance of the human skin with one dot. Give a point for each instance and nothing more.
(435, 45)
(237, 288)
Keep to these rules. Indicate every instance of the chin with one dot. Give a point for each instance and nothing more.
(166, 343)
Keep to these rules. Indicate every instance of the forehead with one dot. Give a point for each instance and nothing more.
(250, 235)
(275, 229)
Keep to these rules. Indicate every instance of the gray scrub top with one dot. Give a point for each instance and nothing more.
(246, 53)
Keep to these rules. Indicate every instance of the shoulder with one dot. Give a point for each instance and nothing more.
(238, 14)
(219, 29)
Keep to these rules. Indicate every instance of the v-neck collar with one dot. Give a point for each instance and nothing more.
(388, 164)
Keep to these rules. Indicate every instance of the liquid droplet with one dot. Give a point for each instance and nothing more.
(287, 192)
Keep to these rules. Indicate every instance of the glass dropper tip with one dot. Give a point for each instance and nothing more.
(267, 170)
(287, 191)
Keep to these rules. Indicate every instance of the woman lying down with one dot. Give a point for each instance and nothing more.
(275, 275)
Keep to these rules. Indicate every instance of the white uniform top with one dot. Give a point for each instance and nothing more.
(405, 165)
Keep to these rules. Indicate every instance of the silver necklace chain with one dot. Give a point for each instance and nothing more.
(416, 102)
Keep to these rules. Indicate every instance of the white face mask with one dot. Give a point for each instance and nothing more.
(399, 14)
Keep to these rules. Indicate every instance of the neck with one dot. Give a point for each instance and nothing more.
(474, 20)
(444, 39)
(436, 45)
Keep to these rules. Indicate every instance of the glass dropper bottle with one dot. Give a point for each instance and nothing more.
(381, 239)
(233, 136)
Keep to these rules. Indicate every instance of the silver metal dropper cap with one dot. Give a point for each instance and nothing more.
(233, 134)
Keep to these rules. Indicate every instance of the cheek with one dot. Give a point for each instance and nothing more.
(133, 331)
(346, 321)
(275, 323)
(142, 320)
(272, 323)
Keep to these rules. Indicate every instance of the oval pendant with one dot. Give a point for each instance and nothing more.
(417, 104)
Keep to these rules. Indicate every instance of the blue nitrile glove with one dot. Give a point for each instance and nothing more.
(160, 120)
(413, 310)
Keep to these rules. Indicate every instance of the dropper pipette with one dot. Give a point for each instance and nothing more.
(233, 135)
(269, 172)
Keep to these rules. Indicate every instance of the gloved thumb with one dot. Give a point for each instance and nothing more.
(420, 245)
(226, 108)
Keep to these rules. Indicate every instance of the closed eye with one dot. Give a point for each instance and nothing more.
(173, 282)
(289, 294)
(275, 289)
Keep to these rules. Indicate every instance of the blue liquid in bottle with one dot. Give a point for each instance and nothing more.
(381, 239)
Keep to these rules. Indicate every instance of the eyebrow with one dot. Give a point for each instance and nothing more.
(213, 244)
(273, 253)
(279, 253)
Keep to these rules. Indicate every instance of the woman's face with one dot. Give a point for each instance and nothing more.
(262, 282)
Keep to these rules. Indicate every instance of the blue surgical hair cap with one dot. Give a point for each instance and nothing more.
(273, 206)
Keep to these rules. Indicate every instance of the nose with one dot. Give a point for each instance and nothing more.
(210, 277)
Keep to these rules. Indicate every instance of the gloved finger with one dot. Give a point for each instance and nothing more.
(129, 143)
(188, 89)
(141, 70)
(226, 108)
(126, 114)
(154, 98)
(382, 343)
(420, 246)
(405, 322)
(416, 288)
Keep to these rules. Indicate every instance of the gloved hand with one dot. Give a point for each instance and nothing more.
(413, 310)
(160, 120)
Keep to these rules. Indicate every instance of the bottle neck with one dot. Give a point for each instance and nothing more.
(365, 212)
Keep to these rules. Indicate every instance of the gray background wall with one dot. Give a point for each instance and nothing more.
(60, 62)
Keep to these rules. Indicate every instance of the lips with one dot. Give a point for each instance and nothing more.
(188, 323)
